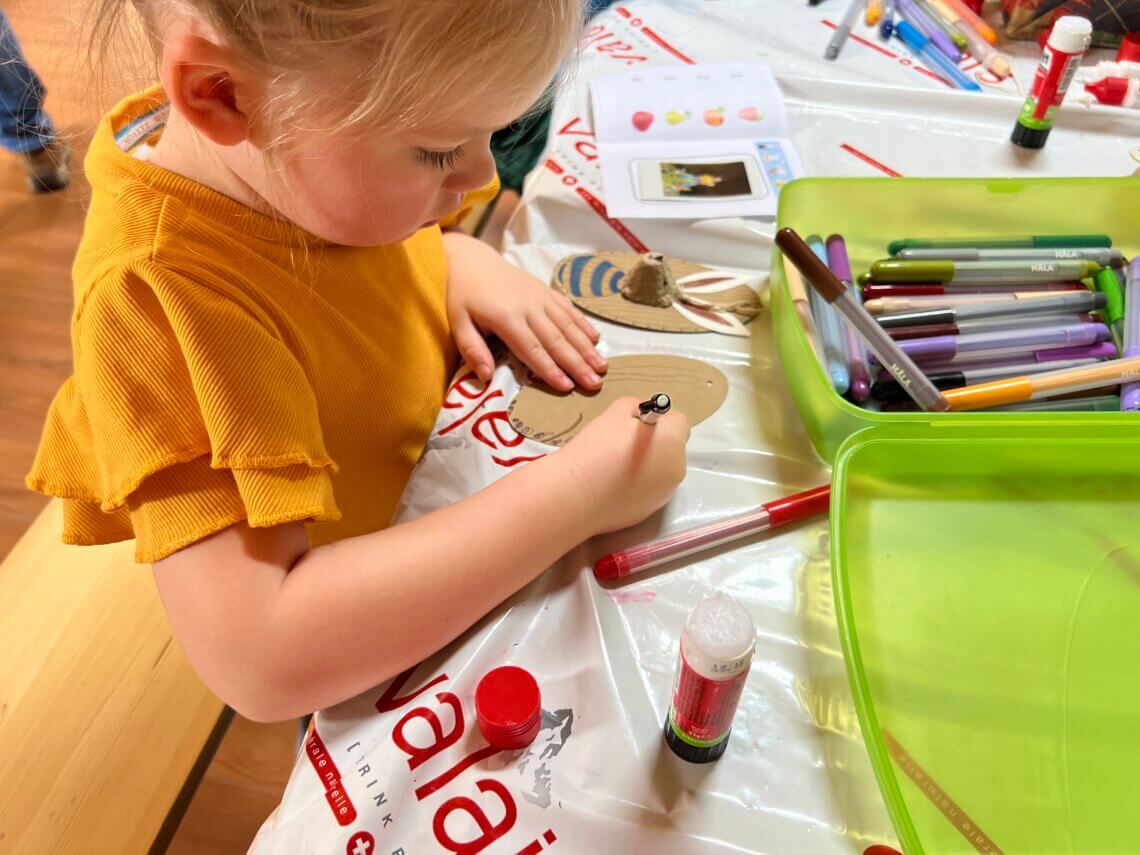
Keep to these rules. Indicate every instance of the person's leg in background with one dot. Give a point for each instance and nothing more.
(25, 128)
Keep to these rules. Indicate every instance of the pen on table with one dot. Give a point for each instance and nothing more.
(949, 272)
(943, 347)
(888, 24)
(874, 12)
(890, 392)
(820, 278)
(830, 329)
(951, 32)
(1130, 392)
(843, 30)
(1064, 302)
(858, 371)
(997, 63)
(918, 21)
(653, 409)
(974, 20)
(921, 47)
(1107, 284)
(918, 303)
(625, 562)
(876, 290)
(1031, 387)
(1104, 256)
(1012, 242)
(986, 325)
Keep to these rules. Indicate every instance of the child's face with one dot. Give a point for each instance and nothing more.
(367, 189)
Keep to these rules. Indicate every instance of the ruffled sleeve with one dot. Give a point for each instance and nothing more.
(186, 413)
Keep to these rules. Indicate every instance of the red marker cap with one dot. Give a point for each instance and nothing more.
(1129, 48)
(508, 707)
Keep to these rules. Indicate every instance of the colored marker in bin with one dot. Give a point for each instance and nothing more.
(1014, 390)
(899, 270)
(823, 282)
(1012, 242)
(625, 562)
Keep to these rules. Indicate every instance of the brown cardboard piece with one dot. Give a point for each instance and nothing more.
(695, 388)
(581, 280)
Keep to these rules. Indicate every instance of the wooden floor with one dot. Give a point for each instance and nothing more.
(38, 237)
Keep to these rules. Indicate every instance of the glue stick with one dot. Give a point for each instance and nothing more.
(1059, 60)
(716, 652)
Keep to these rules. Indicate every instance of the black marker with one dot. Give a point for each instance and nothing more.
(653, 409)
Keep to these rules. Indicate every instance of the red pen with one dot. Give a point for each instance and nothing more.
(625, 562)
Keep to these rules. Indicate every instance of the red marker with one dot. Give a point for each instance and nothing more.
(925, 289)
(776, 513)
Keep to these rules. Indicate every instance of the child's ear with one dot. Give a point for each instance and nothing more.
(208, 88)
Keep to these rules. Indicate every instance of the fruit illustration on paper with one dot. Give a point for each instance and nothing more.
(675, 117)
(750, 114)
(642, 120)
(714, 117)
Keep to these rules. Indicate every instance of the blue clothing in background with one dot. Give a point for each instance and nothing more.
(24, 126)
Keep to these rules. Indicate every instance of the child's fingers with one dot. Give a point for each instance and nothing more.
(526, 346)
(578, 318)
(576, 337)
(472, 346)
(568, 356)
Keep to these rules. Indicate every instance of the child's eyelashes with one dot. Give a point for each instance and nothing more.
(439, 159)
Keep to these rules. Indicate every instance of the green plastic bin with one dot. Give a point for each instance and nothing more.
(870, 212)
(986, 565)
(987, 588)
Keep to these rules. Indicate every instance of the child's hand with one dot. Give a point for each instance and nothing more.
(631, 468)
(486, 294)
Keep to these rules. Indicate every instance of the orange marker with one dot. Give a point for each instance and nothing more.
(874, 12)
(971, 18)
(1014, 390)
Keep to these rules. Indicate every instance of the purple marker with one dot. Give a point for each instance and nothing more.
(858, 370)
(917, 19)
(993, 359)
(944, 347)
(1130, 392)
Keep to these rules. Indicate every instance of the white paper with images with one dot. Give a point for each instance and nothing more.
(693, 142)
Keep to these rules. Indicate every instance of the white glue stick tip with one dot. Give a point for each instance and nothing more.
(720, 628)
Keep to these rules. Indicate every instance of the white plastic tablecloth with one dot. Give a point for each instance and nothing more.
(403, 768)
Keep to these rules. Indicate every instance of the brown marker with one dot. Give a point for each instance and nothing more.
(819, 276)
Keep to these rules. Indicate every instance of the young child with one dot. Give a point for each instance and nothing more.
(265, 308)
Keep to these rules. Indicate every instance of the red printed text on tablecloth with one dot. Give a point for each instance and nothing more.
(443, 779)
(482, 412)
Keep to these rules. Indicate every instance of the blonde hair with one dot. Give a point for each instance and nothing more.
(407, 56)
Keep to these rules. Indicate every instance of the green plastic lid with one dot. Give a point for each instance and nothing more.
(987, 588)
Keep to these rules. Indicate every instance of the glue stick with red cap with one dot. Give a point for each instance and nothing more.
(717, 644)
(1068, 41)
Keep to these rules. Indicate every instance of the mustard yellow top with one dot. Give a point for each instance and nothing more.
(228, 366)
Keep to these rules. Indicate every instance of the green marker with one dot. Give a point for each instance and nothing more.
(963, 272)
(1106, 282)
(1013, 242)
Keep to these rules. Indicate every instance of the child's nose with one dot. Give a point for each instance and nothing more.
(474, 170)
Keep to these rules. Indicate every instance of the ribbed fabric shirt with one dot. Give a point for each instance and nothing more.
(229, 366)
